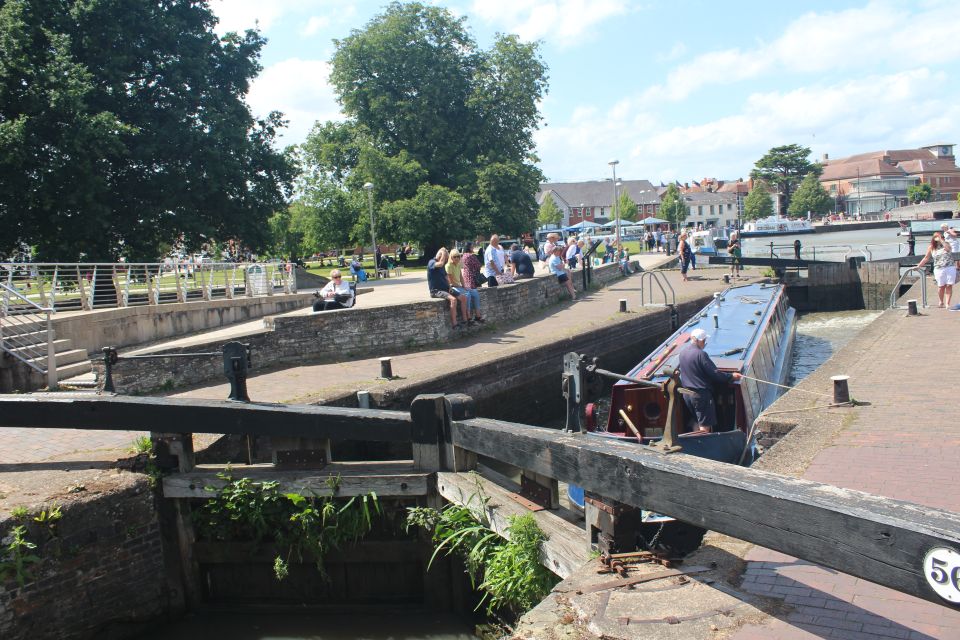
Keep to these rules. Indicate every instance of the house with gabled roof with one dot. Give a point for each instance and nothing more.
(592, 201)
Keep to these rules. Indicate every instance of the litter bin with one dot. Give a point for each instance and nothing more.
(257, 280)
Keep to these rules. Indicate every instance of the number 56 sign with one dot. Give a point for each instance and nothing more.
(941, 566)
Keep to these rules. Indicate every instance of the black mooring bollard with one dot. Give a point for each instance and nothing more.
(726, 278)
(911, 307)
(386, 371)
(841, 391)
(623, 305)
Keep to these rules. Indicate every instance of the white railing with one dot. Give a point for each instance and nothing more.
(26, 333)
(86, 286)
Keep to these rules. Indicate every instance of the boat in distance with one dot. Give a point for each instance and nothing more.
(750, 329)
(775, 226)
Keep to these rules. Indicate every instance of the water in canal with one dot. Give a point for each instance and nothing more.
(874, 244)
(820, 335)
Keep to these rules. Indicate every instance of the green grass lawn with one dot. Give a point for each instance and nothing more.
(317, 269)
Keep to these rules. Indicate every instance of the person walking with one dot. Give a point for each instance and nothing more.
(699, 374)
(944, 268)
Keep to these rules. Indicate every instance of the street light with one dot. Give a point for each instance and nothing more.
(373, 233)
(616, 207)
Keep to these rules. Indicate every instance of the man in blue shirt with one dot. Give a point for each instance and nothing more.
(522, 264)
(698, 373)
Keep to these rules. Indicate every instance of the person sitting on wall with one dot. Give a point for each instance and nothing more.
(440, 287)
(558, 267)
(336, 294)
(455, 276)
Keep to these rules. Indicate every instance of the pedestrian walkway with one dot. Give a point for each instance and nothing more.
(903, 444)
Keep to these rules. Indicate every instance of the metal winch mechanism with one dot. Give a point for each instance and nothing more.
(614, 526)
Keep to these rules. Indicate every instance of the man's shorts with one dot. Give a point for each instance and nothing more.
(436, 293)
(701, 406)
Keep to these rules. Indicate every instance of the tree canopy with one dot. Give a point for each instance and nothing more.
(758, 203)
(627, 207)
(443, 129)
(810, 197)
(123, 125)
(921, 192)
(549, 213)
(673, 207)
(784, 167)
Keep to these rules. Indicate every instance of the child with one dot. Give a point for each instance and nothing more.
(559, 269)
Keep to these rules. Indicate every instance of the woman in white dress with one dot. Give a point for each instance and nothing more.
(944, 268)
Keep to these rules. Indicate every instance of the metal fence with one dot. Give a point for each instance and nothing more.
(86, 286)
(26, 333)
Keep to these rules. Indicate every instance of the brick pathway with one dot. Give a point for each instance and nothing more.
(905, 445)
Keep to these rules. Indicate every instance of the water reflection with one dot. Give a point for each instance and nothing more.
(819, 335)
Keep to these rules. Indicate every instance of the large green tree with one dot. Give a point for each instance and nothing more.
(673, 208)
(810, 197)
(439, 126)
(758, 203)
(921, 192)
(785, 167)
(123, 127)
(549, 212)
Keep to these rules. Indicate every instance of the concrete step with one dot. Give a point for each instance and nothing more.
(86, 380)
(73, 369)
(59, 346)
(63, 358)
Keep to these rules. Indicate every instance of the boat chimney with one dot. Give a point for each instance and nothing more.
(716, 321)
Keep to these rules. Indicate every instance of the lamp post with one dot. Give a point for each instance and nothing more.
(616, 207)
(373, 233)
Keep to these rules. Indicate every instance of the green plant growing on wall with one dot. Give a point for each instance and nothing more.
(18, 555)
(509, 572)
(141, 445)
(298, 525)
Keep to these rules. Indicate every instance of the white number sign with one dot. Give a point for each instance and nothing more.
(941, 566)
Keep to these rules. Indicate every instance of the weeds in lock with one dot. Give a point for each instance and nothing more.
(508, 572)
(298, 526)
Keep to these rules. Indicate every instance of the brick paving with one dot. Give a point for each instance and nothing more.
(904, 445)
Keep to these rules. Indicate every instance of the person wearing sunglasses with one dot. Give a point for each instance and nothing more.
(336, 294)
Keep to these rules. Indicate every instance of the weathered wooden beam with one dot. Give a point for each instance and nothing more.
(871, 537)
(563, 552)
(188, 415)
(386, 479)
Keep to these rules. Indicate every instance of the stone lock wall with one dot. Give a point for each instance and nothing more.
(348, 333)
(101, 571)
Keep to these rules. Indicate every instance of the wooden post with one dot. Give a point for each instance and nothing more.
(458, 407)
(427, 412)
(175, 451)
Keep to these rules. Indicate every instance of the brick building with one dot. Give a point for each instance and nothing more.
(593, 201)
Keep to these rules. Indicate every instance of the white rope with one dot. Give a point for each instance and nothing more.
(783, 386)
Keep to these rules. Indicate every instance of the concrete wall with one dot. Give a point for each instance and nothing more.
(94, 330)
(837, 287)
(101, 572)
(350, 333)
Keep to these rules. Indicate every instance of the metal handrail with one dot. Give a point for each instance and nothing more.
(921, 273)
(83, 286)
(16, 346)
(660, 280)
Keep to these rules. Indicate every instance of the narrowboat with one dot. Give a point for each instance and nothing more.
(775, 226)
(750, 329)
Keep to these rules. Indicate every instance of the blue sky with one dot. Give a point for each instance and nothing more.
(674, 90)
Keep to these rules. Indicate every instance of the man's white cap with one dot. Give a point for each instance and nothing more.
(698, 334)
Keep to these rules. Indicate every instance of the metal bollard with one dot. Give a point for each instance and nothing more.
(911, 307)
(841, 391)
(386, 371)
(716, 321)
(623, 305)
(363, 399)
(726, 278)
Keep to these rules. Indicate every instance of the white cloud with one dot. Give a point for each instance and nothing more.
(561, 21)
(314, 25)
(676, 51)
(860, 38)
(298, 88)
(874, 112)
